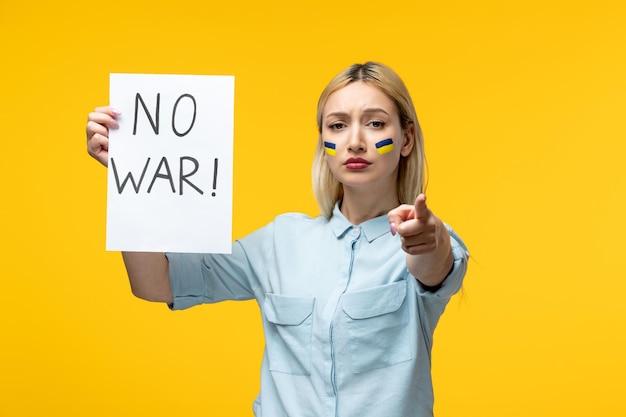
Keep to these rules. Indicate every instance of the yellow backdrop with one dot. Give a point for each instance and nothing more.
(522, 105)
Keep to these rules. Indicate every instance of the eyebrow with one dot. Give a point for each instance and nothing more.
(366, 111)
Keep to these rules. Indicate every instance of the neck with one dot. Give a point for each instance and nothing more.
(360, 205)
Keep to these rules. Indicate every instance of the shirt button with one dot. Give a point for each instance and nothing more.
(355, 231)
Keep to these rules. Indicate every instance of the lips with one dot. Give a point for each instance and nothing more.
(357, 163)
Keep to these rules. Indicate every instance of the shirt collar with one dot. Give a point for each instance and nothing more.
(371, 229)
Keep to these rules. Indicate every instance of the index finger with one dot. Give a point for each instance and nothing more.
(110, 110)
(421, 210)
(105, 116)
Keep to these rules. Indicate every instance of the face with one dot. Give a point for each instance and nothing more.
(363, 138)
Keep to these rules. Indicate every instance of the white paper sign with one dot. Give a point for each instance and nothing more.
(170, 163)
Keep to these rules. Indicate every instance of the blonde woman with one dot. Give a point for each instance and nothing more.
(349, 299)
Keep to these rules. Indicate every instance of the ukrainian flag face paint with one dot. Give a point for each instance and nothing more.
(384, 146)
(331, 148)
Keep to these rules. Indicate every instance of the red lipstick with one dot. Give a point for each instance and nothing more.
(357, 163)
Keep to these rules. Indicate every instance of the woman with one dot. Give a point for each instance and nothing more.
(349, 299)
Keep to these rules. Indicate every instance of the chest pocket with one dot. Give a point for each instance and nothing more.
(377, 320)
(288, 330)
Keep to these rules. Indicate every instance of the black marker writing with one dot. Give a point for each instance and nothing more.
(193, 120)
(155, 121)
(162, 171)
(214, 176)
(183, 177)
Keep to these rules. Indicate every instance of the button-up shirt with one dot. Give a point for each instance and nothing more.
(348, 329)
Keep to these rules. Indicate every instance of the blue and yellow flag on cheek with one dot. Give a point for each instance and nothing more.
(384, 146)
(330, 148)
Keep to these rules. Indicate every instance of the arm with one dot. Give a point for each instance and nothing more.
(426, 241)
(148, 272)
(149, 275)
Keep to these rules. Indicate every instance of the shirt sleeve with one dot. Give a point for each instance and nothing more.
(433, 303)
(454, 280)
(210, 278)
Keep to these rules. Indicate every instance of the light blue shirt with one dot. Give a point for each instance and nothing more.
(348, 329)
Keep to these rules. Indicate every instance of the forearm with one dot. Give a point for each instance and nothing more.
(149, 275)
(433, 267)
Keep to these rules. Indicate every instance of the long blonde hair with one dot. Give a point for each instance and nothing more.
(410, 180)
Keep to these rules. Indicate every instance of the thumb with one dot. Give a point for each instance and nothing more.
(398, 215)
(421, 210)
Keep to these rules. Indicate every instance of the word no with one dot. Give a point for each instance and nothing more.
(155, 122)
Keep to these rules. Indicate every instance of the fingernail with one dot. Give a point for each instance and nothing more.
(392, 229)
(116, 112)
(114, 123)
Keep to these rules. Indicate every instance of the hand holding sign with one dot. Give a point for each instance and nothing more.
(98, 124)
(166, 147)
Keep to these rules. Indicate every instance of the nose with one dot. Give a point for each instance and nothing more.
(356, 142)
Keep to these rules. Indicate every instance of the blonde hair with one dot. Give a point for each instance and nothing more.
(410, 180)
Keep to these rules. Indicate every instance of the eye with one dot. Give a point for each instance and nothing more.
(336, 126)
(377, 124)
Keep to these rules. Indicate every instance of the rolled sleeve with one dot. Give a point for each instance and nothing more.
(210, 278)
(186, 279)
(454, 280)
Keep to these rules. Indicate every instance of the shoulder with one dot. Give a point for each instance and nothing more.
(286, 231)
(289, 224)
(297, 222)
(295, 217)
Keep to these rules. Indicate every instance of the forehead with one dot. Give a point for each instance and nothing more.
(358, 96)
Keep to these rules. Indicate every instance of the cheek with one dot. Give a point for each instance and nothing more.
(330, 148)
(384, 146)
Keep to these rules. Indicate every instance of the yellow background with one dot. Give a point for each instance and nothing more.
(522, 105)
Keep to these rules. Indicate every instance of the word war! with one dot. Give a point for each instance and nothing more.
(164, 172)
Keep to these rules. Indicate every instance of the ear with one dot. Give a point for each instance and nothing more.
(409, 140)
